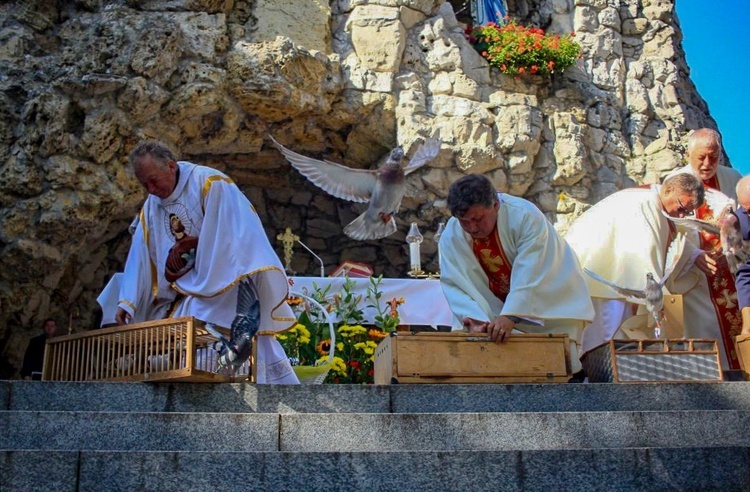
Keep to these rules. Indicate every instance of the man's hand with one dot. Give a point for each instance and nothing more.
(122, 317)
(499, 329)
(706, 263)
(474, 325)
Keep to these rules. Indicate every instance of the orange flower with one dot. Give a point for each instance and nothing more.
(376, 334)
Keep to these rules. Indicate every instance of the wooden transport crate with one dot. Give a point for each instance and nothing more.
(633, 361)
(173, 349)
(742, 345)
(458, 357)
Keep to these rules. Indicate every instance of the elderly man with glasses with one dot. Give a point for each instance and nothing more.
(624, 237)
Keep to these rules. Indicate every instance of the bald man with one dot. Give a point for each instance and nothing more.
(742, 277)
(710, 296)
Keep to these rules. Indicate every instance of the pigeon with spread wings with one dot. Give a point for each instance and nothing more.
(652, 294)
(724, 224)
(382, 188)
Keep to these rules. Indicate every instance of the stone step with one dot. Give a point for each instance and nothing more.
(367, 432)
(404, 398)
(643, 469)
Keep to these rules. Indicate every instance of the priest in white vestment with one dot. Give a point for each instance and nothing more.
(710, 300)
(503, 267)
(624, 237)
(197, 237)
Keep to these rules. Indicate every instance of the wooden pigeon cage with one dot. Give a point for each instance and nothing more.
(176, 349)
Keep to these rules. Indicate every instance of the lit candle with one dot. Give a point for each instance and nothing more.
(414, 238)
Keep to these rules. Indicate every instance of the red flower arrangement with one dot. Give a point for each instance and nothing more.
(517, 50)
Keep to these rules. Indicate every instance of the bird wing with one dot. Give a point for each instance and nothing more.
(211, 329)
(424, 154)
(718, 201)
(693, 223)
(674, 253)
(343, 182)
(633, 295)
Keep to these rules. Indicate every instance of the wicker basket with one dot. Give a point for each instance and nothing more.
(317, 374)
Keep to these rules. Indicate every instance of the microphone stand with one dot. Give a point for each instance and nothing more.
(322, 268)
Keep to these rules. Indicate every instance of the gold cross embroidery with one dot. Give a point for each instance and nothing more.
(493, 263)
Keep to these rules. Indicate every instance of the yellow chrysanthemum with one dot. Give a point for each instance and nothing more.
(281, 336)
(339, 366)
(340, 346)
(302, 331)
(303, 340)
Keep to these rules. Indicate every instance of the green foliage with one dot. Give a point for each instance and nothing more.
(308, 342)
(517, 50)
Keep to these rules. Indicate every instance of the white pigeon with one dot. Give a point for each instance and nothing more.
(382, 188)
(652, 295)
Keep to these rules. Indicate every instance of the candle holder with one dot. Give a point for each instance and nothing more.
(414, 238)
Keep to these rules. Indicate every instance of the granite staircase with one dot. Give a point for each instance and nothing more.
(180, 437)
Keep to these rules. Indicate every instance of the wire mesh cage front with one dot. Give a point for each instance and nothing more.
(169, 349)
(675, 360)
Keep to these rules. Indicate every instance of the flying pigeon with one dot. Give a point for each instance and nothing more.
(651, 295)
(724, 224)
(233, 353)
(383, 188)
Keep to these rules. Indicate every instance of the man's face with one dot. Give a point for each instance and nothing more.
(479, 220)
(50, 327)
(157, 179)
(677, 203)
(704, 158)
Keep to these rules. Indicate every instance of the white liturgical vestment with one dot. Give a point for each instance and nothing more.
(546, 284)
(232, 245)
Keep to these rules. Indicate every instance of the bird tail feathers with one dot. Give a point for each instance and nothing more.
(363, 229)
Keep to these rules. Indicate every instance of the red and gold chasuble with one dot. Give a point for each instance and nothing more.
(490, 254)
(721, 285)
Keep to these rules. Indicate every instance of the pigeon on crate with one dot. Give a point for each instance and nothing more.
(723, 224)
(383, 188)
(233, 353)
(652, 295)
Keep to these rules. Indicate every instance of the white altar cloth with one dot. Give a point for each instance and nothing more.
(424, 301)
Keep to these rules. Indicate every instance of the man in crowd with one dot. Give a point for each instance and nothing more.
(33, 359)
(197, 239)
(624, 237)
(710, 300)
(504, 267)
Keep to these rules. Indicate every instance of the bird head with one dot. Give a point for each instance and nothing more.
(397, 155)
(650, 277)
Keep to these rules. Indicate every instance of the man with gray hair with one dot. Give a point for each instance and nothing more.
(505, 269)
(710, 300)
(198, 241)
(624, 237)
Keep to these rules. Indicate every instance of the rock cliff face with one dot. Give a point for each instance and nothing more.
(83, 81)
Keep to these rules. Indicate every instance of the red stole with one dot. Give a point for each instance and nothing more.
(721, 285)
(490, 254)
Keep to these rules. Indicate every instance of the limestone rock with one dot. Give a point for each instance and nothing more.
(81, 82)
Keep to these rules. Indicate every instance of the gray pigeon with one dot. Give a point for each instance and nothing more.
(652, 294)
(383, 188)
(233, 353)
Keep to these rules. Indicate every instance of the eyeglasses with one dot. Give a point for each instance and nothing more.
(681, 208)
